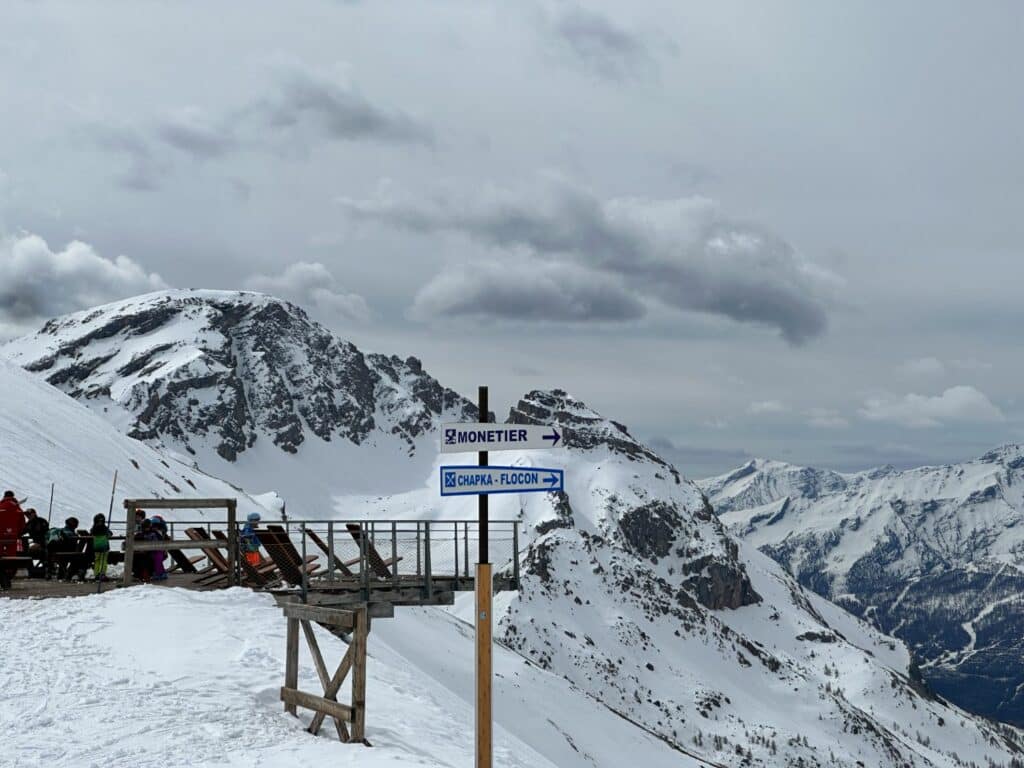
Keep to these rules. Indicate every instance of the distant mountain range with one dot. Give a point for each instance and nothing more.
(706, 651)
(933, 556)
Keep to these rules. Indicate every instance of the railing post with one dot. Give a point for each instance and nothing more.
(419, 567)
(330, 550)
(465, 549)
(305, 570)
(515, 554)
(364, 562)
(455, 527)
(426, 559)
(233, 545)
(394, 553)
(129, 546)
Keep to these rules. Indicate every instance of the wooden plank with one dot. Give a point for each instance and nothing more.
(341, 565)
(345, 619)
(179, 503)
(334, 687)
(291, 663)
(325, 681)
(156, 546)
(129, 544)
(484, 648)
(359, 634)
(296, 698)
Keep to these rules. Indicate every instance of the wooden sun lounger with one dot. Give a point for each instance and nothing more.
(341, 565)
(220, 567)
(377, 564)
(281, 550)
(263, 575)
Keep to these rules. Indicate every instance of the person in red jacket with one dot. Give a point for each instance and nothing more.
(12, 526)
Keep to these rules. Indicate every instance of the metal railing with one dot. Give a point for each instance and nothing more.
(370, 554)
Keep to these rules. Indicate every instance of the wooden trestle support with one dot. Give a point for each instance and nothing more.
(356, 621)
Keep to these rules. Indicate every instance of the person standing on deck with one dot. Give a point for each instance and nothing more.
(159, 534)
(12, 526)
(250, 542)
(100, 546)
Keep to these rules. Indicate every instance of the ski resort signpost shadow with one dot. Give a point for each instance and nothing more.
(480, 480)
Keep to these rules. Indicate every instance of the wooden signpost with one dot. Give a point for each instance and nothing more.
(482, 480)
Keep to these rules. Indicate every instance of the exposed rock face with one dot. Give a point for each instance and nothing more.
(225, 370)
(672, 528)
(934, 556)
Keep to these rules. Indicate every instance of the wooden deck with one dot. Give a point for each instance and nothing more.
(41, 588)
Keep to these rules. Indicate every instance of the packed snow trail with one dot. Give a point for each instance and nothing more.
(150, 677)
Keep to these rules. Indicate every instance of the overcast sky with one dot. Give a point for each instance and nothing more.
(790, 230)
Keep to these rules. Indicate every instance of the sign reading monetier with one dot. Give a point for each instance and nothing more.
(460, 438)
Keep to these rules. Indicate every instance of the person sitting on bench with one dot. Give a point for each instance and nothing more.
(36, 530)
(63, 547)
(12, 525)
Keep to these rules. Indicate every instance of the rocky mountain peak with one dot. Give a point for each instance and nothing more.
(582, 427)
(220, 370)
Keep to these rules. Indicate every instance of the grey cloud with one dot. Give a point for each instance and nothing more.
(312, 286)
(189, 132)
(337, 111)
(144, 171)
(601, 46)
(525, 291)
(697, 461)
(681, 252)
(961, 404)
(37, 283)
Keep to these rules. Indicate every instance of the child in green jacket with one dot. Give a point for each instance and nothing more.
(100, 546)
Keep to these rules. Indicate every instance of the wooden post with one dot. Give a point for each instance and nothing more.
(233, 543)
(484, 757)
(129, 545)
(483, 666)
(291, 661)
(359, 633)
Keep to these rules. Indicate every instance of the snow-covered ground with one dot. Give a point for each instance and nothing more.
(165, 677)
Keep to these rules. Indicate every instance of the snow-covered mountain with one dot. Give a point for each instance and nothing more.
(933, 556)
(248, 387)
(644, 632)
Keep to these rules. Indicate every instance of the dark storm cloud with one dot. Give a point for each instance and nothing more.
(601, 46)
(305, 99)
(680, 252)
(534, 292)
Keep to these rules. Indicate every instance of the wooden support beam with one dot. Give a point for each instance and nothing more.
(295, 698)
(359, 634)
(155, 546)
(343, 619)
(325, 681)
(332, 690)
(291, 663)
(179, 503)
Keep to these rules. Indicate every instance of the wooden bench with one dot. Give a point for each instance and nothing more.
(377, 564)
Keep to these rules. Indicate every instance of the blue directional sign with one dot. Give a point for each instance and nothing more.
(474, 480)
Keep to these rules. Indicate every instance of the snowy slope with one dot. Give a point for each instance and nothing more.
(248, 387)
(932, 555)
(47, 437)
(635, 594)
